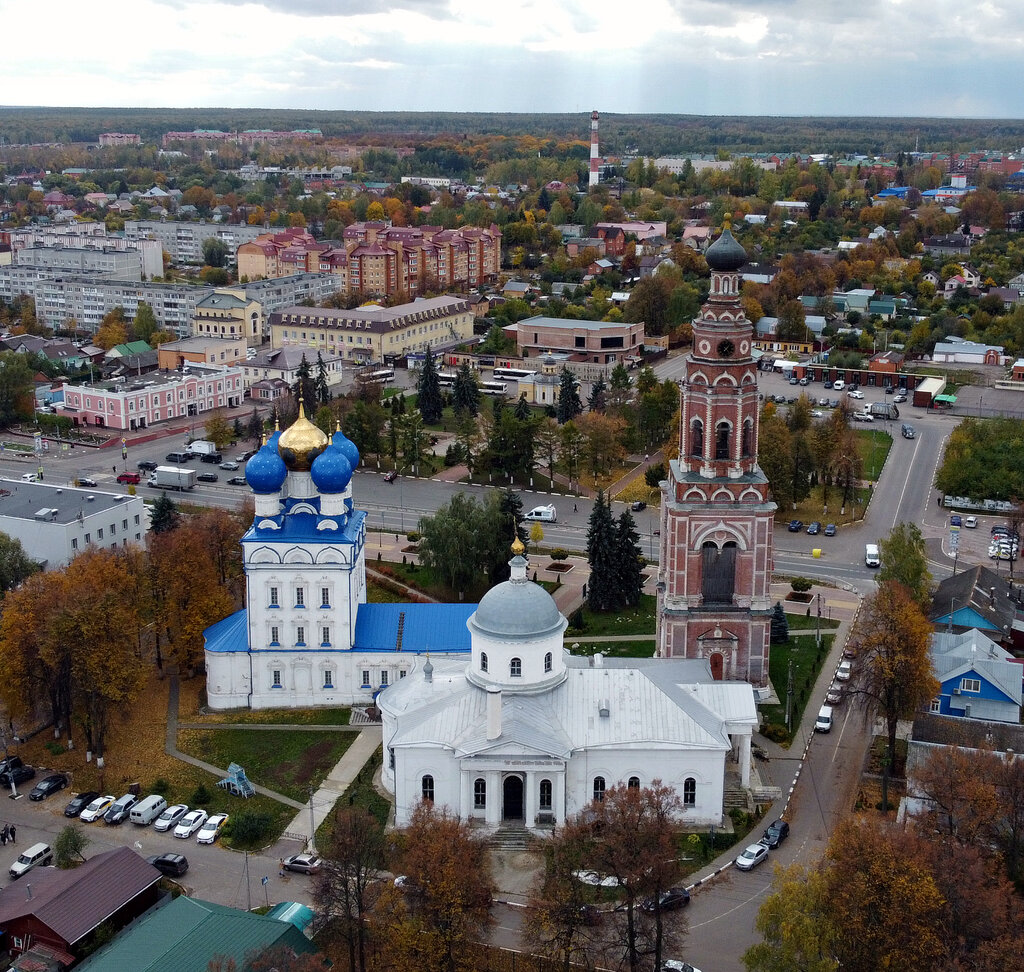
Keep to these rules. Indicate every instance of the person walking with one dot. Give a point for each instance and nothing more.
(3, 836)
(12, 831)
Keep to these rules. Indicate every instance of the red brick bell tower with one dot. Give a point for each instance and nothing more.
(714, 597)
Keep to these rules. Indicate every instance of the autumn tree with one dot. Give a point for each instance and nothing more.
(112, 330)
(450, 886)
(218, 430)
(894, 664)
(905, 561)
(15, 387)
(348, 883)
(145, 323)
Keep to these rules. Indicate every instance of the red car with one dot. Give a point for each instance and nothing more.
(127, 477)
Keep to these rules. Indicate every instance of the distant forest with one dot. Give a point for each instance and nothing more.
(652, 135)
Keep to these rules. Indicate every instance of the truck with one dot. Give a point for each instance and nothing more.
(172, 477)
(885, 410)
(201, 447)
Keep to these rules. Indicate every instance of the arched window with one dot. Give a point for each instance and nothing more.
(748, 439)
(689, 792)
(722, 432)
(545, 794)
(479, 793)
(427, 788)
(483, 661)
(599, 787)
(547, 662)
(697, 437)
(634, 783)
(718, 572)
(515, 668)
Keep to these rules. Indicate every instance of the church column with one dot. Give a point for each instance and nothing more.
(745, 759)
(530, 798)
(558, 785)
(466, 795)
(494, 798)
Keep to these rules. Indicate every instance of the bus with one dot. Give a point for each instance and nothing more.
(516, 374)
(446, 378)
(383, 376)
(494, 387)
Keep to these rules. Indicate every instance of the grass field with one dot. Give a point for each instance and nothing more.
(638, 620)
(807, 660)
(616, 649)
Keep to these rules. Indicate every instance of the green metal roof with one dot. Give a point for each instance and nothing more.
(946, 399)
(186, 934)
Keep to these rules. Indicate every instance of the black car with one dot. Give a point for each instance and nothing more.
(238, 481)
(668, 900)
(48, 786)
(171, 865)
(207, 477)
(213, 457)
(86, 481)
(637, 505)
(80, 802)
(20, 774)
(776, 833)
(814, 528)
(10, 762)
(147, 464)
(795, 526)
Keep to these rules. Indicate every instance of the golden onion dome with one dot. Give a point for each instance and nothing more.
(517, 547)
(301, 443)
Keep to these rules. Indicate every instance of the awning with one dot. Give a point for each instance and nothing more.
(946, 399)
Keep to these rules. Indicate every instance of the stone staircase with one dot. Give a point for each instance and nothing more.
(510, 837)
(735, 796)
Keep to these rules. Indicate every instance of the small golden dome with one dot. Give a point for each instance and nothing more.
(517, 547)
(301, 443)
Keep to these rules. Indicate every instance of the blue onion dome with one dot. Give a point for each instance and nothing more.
(726, 254)
(301, 442)
(331, 470)
(266, 472)
(347, 446)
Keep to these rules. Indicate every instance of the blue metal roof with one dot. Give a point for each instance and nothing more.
(302, 527)
(425, 627)
(230, 634)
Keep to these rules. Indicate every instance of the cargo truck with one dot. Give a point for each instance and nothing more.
(172, 477)
(884, 410)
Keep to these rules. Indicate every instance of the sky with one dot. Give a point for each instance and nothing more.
(934, 58)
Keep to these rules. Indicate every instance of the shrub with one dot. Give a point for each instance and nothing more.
(559, 554)
(801, 585)
(161, 786)
(577, 621)
(653, 475)
(55, 748)
(201, 796)
(776, 732)
(413, 536)
(251, 826)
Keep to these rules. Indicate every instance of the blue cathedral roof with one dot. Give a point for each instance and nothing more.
(347, 446)
(426, 627)
(230, 634)
(331, 470)
(302, 528)
(266, 472)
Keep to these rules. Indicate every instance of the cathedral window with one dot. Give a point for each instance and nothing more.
(328, 678)
(479, 793)
(300, 597)
(326, 635)
(634, 783)
(722, 433)
(483, 661)
(748, 439)
(300, 635)
(275, 635)
(427, 788)
(599, 788)
(697, 437)
(325, 597)
(547, 662)
(515, 668)
(718, 573)
(366, 678)
(276, 676)
(689, 792)
(545, 794)
(273, 598)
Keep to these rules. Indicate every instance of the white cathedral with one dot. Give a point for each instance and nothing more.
(484, 711)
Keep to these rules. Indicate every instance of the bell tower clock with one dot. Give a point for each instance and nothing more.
(714, 597)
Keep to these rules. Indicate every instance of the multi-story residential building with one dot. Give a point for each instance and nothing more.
(261, 257)
(124, 403)
(229, 313)
(184, 240)
(368, 334)
(119, 138)
(56, 522)
(200, 350)
(49, 247)
(119, 264)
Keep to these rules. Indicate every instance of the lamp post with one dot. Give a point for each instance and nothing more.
(14, 795)
(817, 625)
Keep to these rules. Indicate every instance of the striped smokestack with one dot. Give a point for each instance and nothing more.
(594, 158)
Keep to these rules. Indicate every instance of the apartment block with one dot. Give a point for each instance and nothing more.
(184, 240)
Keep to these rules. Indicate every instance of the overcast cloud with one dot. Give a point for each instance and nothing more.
(750, 57)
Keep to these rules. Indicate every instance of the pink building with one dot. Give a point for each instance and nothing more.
(156, 397)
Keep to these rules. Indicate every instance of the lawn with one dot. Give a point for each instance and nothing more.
(801, 622)
(360, 794)
(617, 649)
(637, 620)
(288, 762)
(873, 445)
(807, 660)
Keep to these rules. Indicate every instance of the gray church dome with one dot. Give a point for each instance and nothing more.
(517, 609)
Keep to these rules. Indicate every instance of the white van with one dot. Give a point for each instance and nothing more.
(36, 854)
(838, 385)
(871, 557)
(146, 811)
(824, 721)
(545, 514)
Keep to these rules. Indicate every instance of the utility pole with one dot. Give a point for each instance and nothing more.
(789, 696)
(312, 824)
(817, 624)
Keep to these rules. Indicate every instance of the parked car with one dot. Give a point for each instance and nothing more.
(207, 478)
(833, 403)
(212, 457)
(147, 465)
(210, 830)
(823, 402)
(38, 855)
(776, 833)
(855, 393)
(637, 505)
(900, 397)
(390, 476)
(834, 695)
(246, 456)
(955, 520)
(19, 774)
(830, 529)
(845, 670)
(890, 389)
(827, 385)
(238, 481)
(230, 465)
(752, 856)
(171, 865)
(120, 808)
(971, 522)
(97, 808)
(10, 762)
(80, 802)
(47, 786)
(302, 863)
(171, 817)
(190, 823)
(128, 478)
(795, 526)
(814, 528)
(677, 965)
(668, 900)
